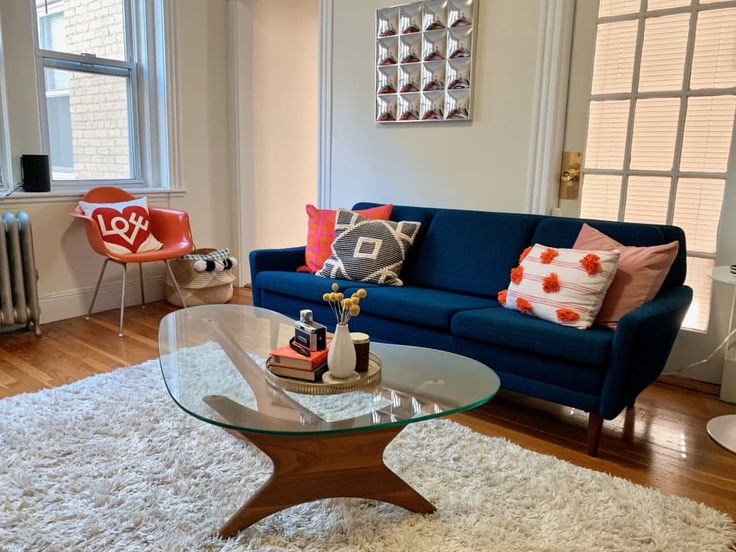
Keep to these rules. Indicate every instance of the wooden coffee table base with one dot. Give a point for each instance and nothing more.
(313, 467)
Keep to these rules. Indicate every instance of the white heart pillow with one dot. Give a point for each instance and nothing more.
(125, 225)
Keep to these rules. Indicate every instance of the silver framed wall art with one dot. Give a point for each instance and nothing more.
(424, 61)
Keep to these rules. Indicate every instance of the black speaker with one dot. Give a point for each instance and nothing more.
(35, 173)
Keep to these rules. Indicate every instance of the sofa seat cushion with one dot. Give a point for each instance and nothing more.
(303, 284)
(518, 331)
(423, 306)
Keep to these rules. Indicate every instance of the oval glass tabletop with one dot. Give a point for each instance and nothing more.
(213, 357)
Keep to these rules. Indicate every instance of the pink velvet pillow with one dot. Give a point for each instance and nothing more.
(321, 233)
(641, 272)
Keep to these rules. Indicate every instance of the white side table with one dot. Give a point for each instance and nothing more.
(723, 428)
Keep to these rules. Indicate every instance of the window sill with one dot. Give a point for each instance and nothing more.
(74, 195)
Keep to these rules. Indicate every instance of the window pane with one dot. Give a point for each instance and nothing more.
(663, 4)
(708, 128)
(82, 26)
(614, 57)
(714, 57)
(698, 278)
(698, 211)
(601, 194)
(663, 52)
(647, 199)
(88, 126)
(655, 127)
(51, 33)
(617, 7)
(607, 123)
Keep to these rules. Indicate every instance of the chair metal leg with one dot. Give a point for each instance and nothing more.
(143, 293)
(97, 288)
(176, 284)
(122, 300)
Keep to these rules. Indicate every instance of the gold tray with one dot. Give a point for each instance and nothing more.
(364, 379)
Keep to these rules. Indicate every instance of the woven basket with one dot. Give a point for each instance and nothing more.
(198, 288)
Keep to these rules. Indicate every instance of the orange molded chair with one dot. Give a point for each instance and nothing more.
(169, 226)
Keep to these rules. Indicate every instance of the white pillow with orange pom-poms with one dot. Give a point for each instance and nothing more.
(566, 286)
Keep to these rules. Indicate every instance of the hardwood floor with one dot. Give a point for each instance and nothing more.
(663, 445)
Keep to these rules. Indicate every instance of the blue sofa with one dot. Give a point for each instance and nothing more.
(452, 274)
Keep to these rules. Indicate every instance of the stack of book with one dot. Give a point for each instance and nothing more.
(287, 363)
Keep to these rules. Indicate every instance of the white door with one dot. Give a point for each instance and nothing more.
(651, 105)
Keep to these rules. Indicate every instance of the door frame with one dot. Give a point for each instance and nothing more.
(549, 106)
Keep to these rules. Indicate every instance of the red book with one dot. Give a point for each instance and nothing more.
(288, 358)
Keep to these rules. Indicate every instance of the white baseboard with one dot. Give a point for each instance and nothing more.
(75, 302)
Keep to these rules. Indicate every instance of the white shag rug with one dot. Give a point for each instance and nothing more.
(111, 463)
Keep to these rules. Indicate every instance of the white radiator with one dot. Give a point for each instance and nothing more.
(18, 274)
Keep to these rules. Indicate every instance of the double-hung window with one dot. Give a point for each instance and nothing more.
(93, 60)
(6, 179)
(661, 123)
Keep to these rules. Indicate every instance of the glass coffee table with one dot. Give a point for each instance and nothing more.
(322, 446)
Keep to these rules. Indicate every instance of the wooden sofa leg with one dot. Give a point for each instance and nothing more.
(595, 428)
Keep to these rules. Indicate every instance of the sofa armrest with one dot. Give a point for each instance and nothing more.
(283, 260)
(641, 345)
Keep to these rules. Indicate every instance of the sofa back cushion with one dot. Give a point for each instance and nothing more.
(471, 252)
(474, 251)
(562, 232)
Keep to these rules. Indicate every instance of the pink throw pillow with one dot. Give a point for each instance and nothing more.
(321, 233)
(641, 272)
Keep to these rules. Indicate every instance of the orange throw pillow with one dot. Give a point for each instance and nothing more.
(641, 272)
(321, 232)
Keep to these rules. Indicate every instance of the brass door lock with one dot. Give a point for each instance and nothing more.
(570, 175)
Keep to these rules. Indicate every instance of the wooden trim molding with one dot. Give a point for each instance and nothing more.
(173, 93)
(240, 35)
(556, 21)
(324, 114)
(69, 303)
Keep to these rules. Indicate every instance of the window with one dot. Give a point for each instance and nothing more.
(6, 175)
(100, 91)
(661, 123)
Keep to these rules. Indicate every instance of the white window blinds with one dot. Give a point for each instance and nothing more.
(661, 123)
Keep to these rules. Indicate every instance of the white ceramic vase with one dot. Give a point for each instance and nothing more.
(341, 356)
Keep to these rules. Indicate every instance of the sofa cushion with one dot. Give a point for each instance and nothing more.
(471, 252)
(517, 331)
(423, 306)
(302, 284)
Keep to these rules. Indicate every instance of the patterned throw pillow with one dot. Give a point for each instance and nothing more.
(566, 286)
(321, 233)
(369, 250)
(125, 226)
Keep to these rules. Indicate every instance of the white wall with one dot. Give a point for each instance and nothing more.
(284, 119)
(480, 164)
(67, 267)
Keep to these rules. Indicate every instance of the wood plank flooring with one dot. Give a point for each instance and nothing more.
(663, 445)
